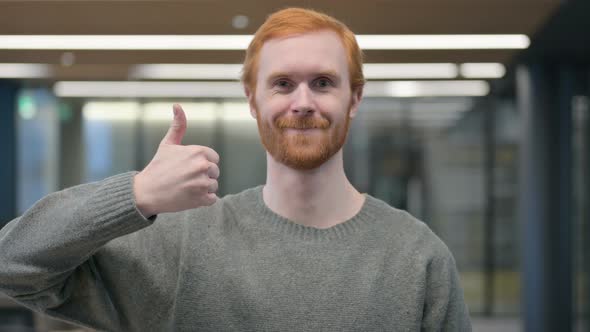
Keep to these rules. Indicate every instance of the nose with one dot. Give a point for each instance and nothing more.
(302, 101)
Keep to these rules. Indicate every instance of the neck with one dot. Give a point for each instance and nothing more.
(320, 198)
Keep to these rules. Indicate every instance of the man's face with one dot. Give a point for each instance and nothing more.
(303, 103)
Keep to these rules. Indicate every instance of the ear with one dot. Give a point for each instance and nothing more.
(355, 100)
(251, 102)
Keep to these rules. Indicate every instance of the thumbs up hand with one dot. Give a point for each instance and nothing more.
(178, 177)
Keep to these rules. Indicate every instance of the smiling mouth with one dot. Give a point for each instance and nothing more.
(303, 129)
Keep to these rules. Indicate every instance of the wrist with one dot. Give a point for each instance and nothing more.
(141, 200)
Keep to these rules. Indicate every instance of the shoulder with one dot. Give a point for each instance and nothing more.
(224, 206)
(207, 220)
(246, 198)
(406, 231)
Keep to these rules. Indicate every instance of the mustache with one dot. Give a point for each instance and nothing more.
(302, 123)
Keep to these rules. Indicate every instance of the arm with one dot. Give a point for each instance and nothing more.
(444, 307)
(46, 254)
(72, 255)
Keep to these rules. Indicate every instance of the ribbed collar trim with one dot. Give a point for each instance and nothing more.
(361, 222)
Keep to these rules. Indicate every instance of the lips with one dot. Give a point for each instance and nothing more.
(296, 130)
(301, 128)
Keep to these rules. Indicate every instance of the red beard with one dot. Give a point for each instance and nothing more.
(303, 151)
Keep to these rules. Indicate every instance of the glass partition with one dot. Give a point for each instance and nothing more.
(37, 146)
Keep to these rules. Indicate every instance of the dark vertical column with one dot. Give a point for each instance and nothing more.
(561, 223)
(585, 201)
(532, 192)
(71, 149)
(489, 146)
(8, 170)
(544, 94)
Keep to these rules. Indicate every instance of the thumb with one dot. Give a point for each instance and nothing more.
(177, 127)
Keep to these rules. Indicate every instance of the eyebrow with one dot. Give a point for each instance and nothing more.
(329, 73)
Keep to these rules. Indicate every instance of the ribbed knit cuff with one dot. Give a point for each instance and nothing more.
(112, 208)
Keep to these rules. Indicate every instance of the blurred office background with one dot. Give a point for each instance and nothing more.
(486, 140)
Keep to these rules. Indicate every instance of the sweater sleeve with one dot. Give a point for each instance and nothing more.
(46, 255)
(444, 307)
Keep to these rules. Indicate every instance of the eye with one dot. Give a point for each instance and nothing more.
(323, 83)
(282, 84)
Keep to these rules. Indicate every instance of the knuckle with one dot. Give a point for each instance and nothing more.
(198, 166)
(201, 165)
(196, 150)
(210, 199)
(178, 124)
(193, 189)
(197, 184)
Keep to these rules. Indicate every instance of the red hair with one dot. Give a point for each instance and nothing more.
(293, 21)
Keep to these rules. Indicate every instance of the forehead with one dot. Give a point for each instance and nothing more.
(312, 52)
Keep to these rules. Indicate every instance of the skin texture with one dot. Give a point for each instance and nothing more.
(303, 105)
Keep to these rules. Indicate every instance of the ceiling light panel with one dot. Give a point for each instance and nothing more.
(233, 71)
(25, 70)
(162, 111)
(409, 70)
(240, 42)
(482, 70)
(187, 71)
(107, 89)
(372, 71)
(405, 89)
(124, 42)
(442, 42)
(110, 111)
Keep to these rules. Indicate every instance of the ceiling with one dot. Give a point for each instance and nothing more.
(215, 17)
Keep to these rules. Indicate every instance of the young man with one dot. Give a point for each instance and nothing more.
(158, 251)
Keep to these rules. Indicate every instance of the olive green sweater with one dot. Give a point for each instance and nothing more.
(87, 255)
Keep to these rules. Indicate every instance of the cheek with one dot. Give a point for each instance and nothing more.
(271, 104)
(337, 106)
